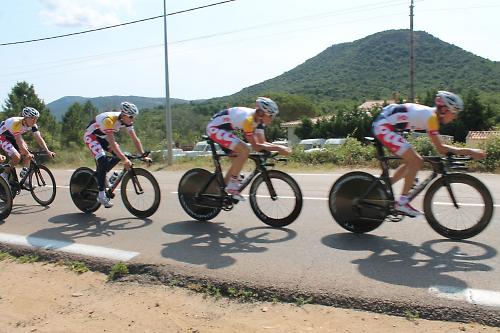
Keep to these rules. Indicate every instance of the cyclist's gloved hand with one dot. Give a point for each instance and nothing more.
(127, 164)
(51, 153)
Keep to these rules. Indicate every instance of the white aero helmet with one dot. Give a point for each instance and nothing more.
(30, 112)
(129, 109)
(452, 101)
(267, 105)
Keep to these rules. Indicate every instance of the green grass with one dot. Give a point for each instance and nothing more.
(118, 270)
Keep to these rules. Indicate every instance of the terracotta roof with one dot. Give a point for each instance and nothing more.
(481, 135)
(295, 123)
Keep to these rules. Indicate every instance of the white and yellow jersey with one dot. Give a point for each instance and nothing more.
(236, 118)
(410, 116)
(106, 122)
(12, 127)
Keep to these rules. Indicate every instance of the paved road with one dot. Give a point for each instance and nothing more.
(405, 260)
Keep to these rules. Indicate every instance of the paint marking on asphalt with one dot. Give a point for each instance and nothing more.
(51, 244)
(325, 199)
(469, 295)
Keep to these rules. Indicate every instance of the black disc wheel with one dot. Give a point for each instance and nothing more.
(140, 192)
(276, 199)
(358, 202)
(83, 190)
(5, 199)
(471, 214)
(42, 185)
(189, 192)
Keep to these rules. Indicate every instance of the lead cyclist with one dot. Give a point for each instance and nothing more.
(410, 116)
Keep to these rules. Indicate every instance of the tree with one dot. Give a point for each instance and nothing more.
(74, 123)
(22, 95)
(305, 130)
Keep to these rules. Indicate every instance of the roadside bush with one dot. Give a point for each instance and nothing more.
(423, 146)
(352, 152)
(492, 148)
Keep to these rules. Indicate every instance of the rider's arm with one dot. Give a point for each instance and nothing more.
(258, 144)
(476, 154)
(137, 142)
(39, 139)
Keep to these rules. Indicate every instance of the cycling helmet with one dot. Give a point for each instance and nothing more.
(129, 109)
(29, 112)
(267, 105)
(450, 100)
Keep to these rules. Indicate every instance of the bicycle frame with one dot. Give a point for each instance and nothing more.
(260, 167)
(33, 167)
(137, 186)
(438, 168)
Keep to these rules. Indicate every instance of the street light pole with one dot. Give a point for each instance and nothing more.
(412, 59)
(168, 111)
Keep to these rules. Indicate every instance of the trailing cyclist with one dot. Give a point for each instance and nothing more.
(252, 122)
(100, 138)
(395, 118)
(12, 142)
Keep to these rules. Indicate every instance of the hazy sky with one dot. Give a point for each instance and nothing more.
(213, 52)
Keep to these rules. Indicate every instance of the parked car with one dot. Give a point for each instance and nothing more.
(329, 143)
(334, 142)
(309, 144)
(176, 153)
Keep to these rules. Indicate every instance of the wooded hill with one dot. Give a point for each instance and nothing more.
(376, 66)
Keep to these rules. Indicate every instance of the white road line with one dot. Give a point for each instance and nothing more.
(69, 247)
(472, 296)
(325, 199)
(316, 174)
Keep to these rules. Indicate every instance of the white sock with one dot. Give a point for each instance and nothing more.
(102, 194)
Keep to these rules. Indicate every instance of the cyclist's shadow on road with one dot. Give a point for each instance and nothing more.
(72, 226)
(401, 263)
(211, 244)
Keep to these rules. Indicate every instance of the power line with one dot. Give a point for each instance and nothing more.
(116, 25)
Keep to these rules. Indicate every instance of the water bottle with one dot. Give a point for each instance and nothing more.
(23, 172)
(113, 178)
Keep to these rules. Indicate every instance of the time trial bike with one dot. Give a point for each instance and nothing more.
(139, 189)
(275, 197)
(38, 180)
(456, 205)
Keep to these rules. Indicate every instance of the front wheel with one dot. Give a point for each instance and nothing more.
(469, 217)
(190, 187)
(42, 185)
(358, 202)
(140, 192)
(276, 199)
(83, 190)
(5, 199)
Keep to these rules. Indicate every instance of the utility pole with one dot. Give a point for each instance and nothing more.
(168, 111)
(412, 59)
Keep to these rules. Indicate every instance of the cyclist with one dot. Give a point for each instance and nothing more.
(409, 116)
(12, 142)
(100, 138)
(252, 122)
